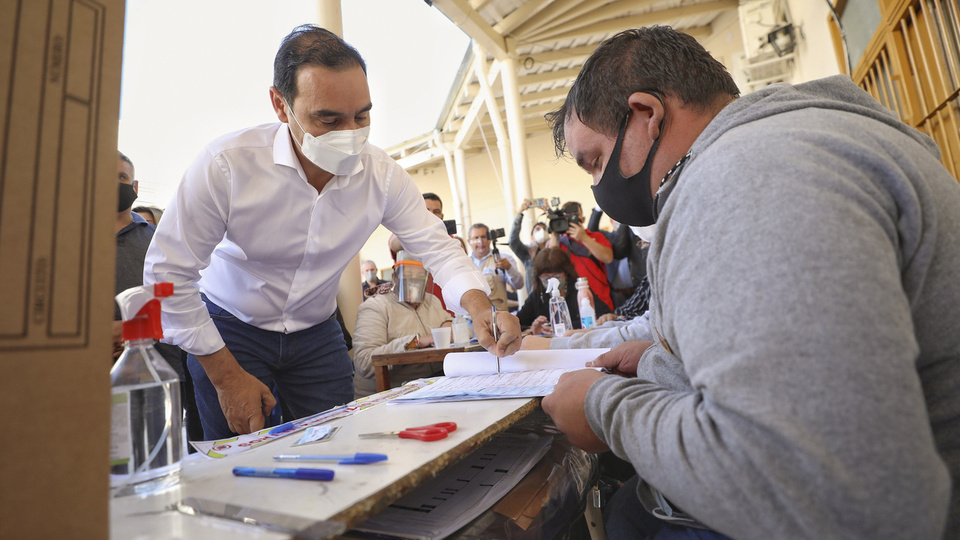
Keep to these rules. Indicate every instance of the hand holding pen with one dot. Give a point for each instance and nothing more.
(507, 339)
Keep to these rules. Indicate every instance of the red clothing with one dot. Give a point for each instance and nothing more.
(588, 266)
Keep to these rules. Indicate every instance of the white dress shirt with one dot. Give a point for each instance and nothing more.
(248, 230)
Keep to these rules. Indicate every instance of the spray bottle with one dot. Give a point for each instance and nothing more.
(559, 312)
(146, 440)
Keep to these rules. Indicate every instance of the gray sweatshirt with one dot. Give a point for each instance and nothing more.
(805, 279)
(607, 335)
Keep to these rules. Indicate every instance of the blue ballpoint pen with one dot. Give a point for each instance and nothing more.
(297, 474)
(281, 428)
(355, 459)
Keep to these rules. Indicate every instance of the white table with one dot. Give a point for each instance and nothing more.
(356, 492)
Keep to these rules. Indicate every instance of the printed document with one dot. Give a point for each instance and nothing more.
(473, 375)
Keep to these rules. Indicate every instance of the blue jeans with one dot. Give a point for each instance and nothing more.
(310, 370)
(625, 517)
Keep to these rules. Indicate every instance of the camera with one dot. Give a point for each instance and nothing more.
(493, 234)
(559, 221)
(451, 225)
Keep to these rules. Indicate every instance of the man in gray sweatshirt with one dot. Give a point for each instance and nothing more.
(804, 377)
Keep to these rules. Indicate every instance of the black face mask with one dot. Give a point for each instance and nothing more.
(126, 197)
(628, 200)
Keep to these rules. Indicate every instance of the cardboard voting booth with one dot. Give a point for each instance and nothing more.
(59, 105)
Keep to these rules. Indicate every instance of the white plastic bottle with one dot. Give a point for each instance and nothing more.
(559, 312)
(586, 314)
(146, 439)
(585, 296)
(461, 331)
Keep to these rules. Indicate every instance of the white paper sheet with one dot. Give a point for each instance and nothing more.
(473, 375)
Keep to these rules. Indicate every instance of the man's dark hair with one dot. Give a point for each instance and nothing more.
(571, 207)
(123, 157)
(310, 44)
(650, 59)
(551, 261)
(480, 226)
(429, 196)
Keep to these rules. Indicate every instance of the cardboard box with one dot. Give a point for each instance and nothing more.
(59, 106)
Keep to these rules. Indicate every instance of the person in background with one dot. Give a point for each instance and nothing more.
(527, 252)
(150, 213)
(498, 270)
(370, 277)
(133, 238)
(272, 215)
(387, 325)
(589, 250)
(435, 206)
(803, 384)
(535, 312)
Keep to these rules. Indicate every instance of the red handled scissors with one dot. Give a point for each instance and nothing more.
(433, 432)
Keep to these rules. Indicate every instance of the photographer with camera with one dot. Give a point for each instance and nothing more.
(538, 239)
(497, 269)
(590, 251)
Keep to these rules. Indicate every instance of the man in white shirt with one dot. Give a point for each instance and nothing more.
(498, 270)
(264, 223)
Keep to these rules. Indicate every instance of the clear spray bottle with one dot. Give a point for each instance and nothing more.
(146, 439)
(559, 311)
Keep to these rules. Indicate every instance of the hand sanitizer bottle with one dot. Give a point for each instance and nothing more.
(559, 312)
(585, 301)
(146, 439)
(461, 331)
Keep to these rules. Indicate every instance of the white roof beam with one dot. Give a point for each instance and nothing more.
(468, 19)
(575, 28)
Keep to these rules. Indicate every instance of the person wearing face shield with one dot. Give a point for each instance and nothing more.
(260, 230)
(526, 253)
(397, 320)
(802, 377)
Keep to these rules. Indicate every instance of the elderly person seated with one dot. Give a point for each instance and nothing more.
(394, 320)
(535, 312)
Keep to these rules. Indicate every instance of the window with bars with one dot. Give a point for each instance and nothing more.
(912, 66)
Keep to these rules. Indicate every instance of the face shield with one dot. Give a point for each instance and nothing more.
(411, 279)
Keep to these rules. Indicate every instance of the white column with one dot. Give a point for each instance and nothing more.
(459, 162)
(503, 141)
(329, 16)
(458, 197)
(517, 132)
(349, 295)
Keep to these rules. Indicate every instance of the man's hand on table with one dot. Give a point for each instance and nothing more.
(622, 359)
(566, 407)
(245, 401)
(508, 326)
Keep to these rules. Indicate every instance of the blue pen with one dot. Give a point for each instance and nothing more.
(281, 428)
(355, 459)
(297, 474)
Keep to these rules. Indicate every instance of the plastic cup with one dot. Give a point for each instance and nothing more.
(441, 337)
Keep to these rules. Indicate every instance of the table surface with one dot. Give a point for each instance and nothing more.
(357, 491)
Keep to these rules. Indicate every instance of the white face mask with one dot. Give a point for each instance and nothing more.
(337, 152)
(370, 276)
(645, 233)
(539, 236)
